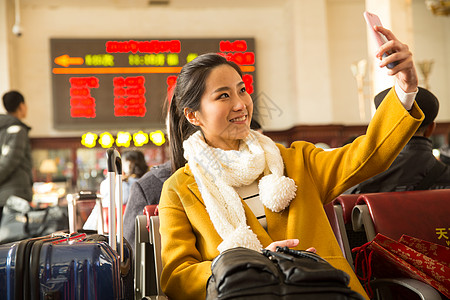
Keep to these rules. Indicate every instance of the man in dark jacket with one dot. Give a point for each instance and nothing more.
(15, 159)
(415, 168)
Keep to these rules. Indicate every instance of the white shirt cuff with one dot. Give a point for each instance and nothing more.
(407, 99)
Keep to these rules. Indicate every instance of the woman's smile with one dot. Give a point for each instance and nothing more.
(239, 120)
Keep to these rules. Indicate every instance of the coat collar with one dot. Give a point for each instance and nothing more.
(192, 186)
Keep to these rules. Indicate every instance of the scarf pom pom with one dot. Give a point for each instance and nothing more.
(242, 236)
(276, 192)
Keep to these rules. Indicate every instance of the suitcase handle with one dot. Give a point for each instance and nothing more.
(114, 164)
(114, 161)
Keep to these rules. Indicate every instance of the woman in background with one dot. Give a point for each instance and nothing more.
(134, 167)
(239, 188)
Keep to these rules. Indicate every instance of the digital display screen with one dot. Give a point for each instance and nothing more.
(123, 83)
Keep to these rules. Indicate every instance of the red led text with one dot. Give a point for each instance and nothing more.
(153, 46)
(129, 96)
(246, 58)
(82, 105)
(248, 81)
(171, 81)
(236, 46)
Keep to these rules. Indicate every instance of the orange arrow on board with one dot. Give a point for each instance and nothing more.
(65, 60)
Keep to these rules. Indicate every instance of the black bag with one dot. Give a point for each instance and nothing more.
(242, 273)
(20, 221)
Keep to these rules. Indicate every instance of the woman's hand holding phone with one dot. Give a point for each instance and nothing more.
(404, 69)
(372, 21)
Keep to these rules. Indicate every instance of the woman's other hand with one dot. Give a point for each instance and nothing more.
(404, 71)
(287, 243)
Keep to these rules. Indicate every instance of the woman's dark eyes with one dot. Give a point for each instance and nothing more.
(226, 95)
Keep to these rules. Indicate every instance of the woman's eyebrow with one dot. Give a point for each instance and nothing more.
(221, 89)
(226, 88)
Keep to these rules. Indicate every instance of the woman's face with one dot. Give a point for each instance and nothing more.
(126, 167)
(225, 109)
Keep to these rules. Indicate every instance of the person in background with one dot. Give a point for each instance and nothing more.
(444, 155)
(415, 168)
(234, 187)
(15, 159)
(134, 167)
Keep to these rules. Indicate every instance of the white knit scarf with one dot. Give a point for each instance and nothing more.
(217, 172)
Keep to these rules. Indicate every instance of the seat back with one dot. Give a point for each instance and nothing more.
(422, 214)
(150, 210)
(347, 202)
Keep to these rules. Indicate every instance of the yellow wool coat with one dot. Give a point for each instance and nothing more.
(189, 239)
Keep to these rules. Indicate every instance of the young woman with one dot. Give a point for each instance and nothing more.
(239, 188)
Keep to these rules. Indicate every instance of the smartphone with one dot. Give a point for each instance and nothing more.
(372, 20)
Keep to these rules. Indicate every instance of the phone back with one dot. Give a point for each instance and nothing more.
(373, 20)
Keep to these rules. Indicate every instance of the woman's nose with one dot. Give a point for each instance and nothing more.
(239, 104)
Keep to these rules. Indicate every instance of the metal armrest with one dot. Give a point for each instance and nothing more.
(362, 221)
(340, 218)
(155, 239)
(142, 241)
(423, 290)
(148, 264)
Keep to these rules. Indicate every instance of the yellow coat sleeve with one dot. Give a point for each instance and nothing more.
(333, 172)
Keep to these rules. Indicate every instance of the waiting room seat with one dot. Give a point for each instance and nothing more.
(420, 214)
(148, 256)
(148, 264)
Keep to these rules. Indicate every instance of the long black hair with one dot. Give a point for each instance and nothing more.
(188, 92)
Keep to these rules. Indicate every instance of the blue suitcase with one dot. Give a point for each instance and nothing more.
(14, 274)
(71, 266)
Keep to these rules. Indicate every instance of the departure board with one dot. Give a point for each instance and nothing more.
(123, 83)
